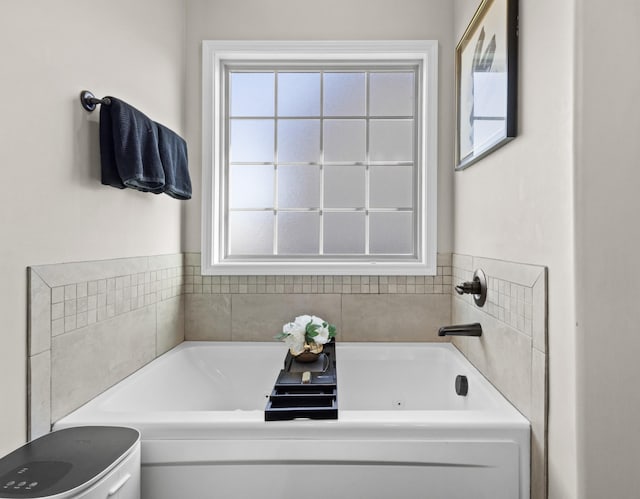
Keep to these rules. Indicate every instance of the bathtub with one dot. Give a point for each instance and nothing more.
(402, 431)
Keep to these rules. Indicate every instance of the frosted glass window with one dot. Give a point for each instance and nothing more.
(344, 94)
(252, 94)
(391, 94)
(298, 141)
(251, 186)
(391, 233)
(391, 140)
(298, 233)
(345, 140)
(344, 233)
(251, 233)
(391, 186)
(298, 186)
(299, 94)
(251, 141)
(319, 157)
(344, 186)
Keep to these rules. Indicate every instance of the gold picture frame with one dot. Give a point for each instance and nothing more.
(487, 82)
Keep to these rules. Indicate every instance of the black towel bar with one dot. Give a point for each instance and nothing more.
(90, 101)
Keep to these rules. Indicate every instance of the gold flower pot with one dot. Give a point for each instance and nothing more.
(310, 352)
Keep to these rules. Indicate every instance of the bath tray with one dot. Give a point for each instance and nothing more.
(317, 399)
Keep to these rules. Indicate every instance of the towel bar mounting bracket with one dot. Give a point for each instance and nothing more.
(90, 101)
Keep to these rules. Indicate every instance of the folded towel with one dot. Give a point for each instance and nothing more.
(109, 170)
(173, 155)
(129, 148)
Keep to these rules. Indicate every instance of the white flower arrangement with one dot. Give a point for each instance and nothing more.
(306, 329)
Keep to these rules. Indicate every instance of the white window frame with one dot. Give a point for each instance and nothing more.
(216, 54)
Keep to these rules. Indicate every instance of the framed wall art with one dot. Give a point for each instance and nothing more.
(486, 82)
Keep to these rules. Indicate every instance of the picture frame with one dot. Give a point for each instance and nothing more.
(486, 73)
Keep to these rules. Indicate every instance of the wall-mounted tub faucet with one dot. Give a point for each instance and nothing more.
(474, 329)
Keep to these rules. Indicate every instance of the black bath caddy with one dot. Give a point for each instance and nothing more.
(318, 399)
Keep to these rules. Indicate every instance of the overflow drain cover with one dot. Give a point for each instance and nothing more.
(462, 385)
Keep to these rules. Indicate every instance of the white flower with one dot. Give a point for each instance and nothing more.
(294, 329)
(303, 320)
(322, 330)
(306, 329)
(294, 336)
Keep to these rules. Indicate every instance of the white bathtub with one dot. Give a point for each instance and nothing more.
(402, 431)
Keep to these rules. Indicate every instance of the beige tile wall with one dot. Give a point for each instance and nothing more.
(512, 352)
(364, 308)
(93, 323)
(153, 303)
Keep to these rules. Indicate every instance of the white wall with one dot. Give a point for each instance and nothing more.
(516, 204)
(328, 20)
(53, 208)
(607, 241)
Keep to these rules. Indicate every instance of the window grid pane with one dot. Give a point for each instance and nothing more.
(368, 162)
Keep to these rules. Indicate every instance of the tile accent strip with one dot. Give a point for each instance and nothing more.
(76, 305)
(195, 283)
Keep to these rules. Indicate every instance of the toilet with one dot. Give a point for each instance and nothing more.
(88, 462)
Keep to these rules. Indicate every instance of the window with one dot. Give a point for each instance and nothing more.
(319, 158)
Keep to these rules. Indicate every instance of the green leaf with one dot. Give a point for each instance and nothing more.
(280, 336)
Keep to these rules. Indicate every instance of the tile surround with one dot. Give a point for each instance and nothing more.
(512, 353)
(156, 302)
(97, 322)
(87, 361)
(77, 300)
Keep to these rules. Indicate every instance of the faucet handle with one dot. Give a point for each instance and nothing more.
(469, 288)
(477, 287)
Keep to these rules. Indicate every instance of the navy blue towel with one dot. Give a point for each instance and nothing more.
(173, 154)
(109, 171)
(129, 148)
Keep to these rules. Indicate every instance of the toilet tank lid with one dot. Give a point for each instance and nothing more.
(64, 460)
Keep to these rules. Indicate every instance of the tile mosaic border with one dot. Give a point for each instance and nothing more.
(307, 284)
(76, 305)
(195, 283)
(516, 294)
